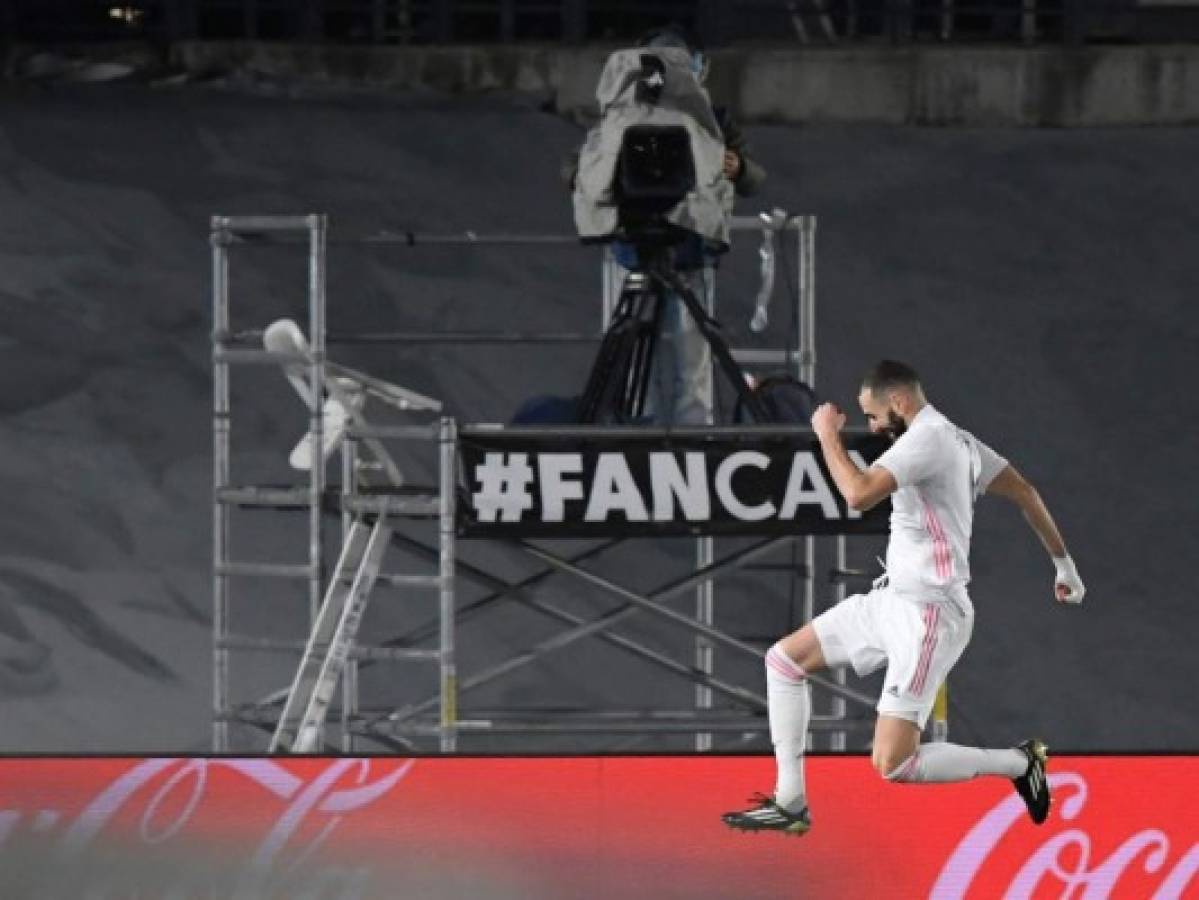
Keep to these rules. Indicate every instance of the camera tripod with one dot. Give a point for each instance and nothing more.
(619, 382)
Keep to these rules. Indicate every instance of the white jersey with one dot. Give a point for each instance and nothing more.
(940, 470)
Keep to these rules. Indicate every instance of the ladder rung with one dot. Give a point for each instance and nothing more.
(265, 497)
(850, 575)
(255, 356)
(766, 357)
(415, 581)
(267, 570)
(392, 505)
(367, 725)
(265, 223)
(753, 223)
(273, 645)
(398, 432)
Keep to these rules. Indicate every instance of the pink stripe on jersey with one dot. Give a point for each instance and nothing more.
(938, 554)
(942, 556)
(781, 663)
(946, 552)
(932, 615)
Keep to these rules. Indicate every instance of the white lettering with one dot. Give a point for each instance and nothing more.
(1066, 857)
(724, 486)
(162, 797)
(969, 856)
(1183, 875)
(614, 490)
(804, 468)
(555, 488)
(1103, 879)
(670, 484)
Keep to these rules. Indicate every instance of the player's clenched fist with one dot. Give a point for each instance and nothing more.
(827, 419)
(1067, 586)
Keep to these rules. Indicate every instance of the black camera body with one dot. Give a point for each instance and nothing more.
(655, 172)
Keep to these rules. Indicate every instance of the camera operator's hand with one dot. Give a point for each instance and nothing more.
(732, 165)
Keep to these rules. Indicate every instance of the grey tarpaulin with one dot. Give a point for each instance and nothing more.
(683, 102)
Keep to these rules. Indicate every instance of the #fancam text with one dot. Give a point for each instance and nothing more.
(688, 486)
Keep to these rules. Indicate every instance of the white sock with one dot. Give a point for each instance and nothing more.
(789, 704)
(938, 763)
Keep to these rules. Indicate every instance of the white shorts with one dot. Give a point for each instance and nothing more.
(918, 642)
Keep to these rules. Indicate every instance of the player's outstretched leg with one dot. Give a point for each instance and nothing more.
(942, 763)
(766, 815)
(1033, 785)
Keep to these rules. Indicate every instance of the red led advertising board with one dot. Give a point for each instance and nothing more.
(586, 827)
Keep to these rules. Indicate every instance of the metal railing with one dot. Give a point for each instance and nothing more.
(715, 22)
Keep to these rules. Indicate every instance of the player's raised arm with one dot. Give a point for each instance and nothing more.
(862, 489)
(1011, 485)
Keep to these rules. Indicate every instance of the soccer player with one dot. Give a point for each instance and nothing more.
(918, 618)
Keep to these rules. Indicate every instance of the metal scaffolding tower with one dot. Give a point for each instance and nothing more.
(373, 504)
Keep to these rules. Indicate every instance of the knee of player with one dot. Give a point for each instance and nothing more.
(781, 665)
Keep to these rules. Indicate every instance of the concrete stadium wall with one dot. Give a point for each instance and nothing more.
(971, 86)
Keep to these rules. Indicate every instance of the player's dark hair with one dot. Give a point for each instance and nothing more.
(889, 374)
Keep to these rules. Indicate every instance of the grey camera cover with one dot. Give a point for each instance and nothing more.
(683, 101)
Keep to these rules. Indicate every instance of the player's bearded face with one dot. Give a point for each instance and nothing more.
(896, 426)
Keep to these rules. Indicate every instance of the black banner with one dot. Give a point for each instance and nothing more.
(626, 482)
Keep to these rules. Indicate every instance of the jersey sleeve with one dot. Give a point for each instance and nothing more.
(911, 459)
(990, 465)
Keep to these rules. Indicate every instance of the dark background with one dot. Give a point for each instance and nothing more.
(715, 22)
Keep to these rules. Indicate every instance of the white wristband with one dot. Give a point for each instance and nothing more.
(1066, 569)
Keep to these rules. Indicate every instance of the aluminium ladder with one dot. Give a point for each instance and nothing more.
(333, 633)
